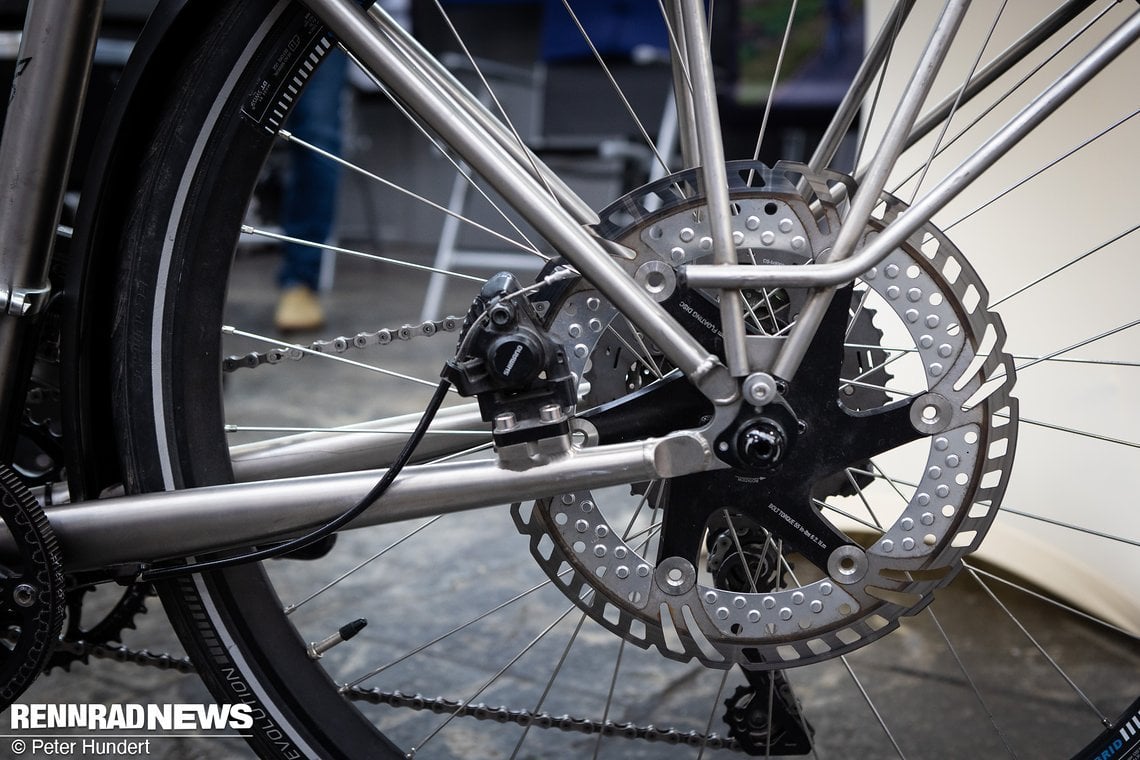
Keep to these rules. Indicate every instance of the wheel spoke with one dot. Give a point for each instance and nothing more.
(1070, 526)
(970, 680)
(1052, 601)
(618, 91)
(427, 645)
(249, 230)
(293, 607)
(550, 682)
(527, 246)
(1039, 172)
(538, 173)
(775, 79)
(1010, 91)
(712, 714)
(491, 681)
(1080, 344)
(610, 697)
(1074, 431)
(935, 149)
(989, 592)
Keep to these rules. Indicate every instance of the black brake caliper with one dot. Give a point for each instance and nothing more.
(520, 376)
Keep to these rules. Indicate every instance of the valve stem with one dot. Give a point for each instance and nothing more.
(345, 633)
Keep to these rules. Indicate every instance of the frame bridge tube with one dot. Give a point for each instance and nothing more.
(148, 527)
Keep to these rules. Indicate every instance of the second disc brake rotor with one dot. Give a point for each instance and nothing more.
(942, 410)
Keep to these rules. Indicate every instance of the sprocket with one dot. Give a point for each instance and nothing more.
(107, 629)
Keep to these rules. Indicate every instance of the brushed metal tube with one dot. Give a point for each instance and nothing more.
(1005, 61)
(40, 129)
(682, 89)
(864, 78)
(182, 523)
(715, 178)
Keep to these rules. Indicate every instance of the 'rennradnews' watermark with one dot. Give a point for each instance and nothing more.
(115, 717)
(117, 730)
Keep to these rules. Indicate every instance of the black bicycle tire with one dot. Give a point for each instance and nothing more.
(203, 132)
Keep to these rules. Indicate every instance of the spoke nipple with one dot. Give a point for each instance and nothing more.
(247, 229)
(345, 633)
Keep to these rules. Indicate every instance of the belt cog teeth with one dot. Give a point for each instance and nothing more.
(954, 412)
(31, 590)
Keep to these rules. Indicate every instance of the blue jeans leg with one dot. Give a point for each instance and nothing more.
(309, 203)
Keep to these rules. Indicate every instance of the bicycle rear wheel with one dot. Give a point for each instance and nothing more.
(459, 612)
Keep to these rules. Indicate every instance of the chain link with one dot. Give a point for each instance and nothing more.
(342, 344)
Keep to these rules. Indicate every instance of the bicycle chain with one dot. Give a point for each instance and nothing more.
(343, 344)
(527, 718)
(119, 653)
(438, 705)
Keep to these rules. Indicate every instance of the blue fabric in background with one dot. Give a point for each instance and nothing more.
(617, 27)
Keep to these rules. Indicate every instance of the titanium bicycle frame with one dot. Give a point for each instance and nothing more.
(54, 64)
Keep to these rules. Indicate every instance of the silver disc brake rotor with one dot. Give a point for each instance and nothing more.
(929, 311)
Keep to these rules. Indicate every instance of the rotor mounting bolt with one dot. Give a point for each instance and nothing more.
(760, 388)
(24, 595)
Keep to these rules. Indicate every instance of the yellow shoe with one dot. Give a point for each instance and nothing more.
(299, 310)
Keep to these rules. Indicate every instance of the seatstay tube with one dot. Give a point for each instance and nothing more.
(715, 179)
